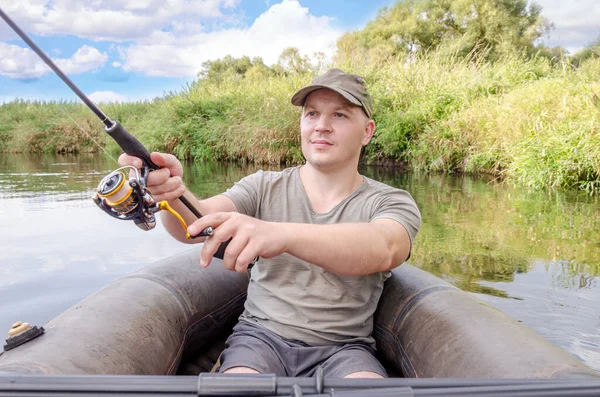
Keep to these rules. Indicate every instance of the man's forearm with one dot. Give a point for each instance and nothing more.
(350, 248)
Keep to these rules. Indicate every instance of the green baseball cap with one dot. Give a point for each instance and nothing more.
(350, 86)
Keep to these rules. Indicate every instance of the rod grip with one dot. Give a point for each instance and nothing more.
(221, 253)
(130, 144)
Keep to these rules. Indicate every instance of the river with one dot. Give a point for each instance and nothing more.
(533, 255)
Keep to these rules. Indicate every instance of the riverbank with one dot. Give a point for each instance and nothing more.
(530, 122)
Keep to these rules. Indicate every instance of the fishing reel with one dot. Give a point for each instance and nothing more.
(127, 199)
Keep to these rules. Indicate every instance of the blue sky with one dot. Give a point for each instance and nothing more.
(140, 49)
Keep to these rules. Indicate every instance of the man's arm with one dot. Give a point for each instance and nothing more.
(351, 249)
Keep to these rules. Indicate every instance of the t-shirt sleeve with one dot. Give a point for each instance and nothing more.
(245, 193)
(399, 205)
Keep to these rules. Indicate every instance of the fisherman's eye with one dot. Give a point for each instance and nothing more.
(339, 115)
(311, 113)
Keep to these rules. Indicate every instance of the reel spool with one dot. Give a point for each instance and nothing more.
(127, 199)
(117, 192)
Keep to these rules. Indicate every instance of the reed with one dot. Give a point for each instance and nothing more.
(528, 121)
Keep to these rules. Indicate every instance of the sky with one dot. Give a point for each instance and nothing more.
(131, 50)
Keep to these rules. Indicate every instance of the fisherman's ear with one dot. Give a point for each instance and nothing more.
(368, 132)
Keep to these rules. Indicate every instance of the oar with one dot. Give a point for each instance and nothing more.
(271, 385)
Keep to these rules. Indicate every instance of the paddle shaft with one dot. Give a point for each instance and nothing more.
(271, 385)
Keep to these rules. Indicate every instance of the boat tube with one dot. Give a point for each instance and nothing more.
(174, 312)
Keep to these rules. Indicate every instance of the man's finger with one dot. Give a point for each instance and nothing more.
(209, 249)
(169, 195)
(222, 233)
(215, 219)
(165, 160)
(234, 248)
(245, 258)
(158, 159)
(158, 177)
(125, 159)
(168, 185)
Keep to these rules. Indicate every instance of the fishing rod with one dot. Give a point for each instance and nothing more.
(119, 197)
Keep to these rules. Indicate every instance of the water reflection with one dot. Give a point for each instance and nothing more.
(540, 250)
(38, 176)
(475, 230)
(534, 255)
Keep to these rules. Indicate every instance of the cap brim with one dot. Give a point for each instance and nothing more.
(300, 97)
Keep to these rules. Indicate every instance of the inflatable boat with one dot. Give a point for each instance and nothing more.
(173, 317)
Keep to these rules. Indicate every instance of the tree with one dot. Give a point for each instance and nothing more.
(290, 60)
(229, 66)
(589, 52)
(488, 27)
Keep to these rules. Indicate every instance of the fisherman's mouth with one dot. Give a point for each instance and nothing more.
(321, 143)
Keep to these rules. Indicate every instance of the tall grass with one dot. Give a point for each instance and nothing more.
(531, 122)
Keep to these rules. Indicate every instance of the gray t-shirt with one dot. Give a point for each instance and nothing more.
(301, 301)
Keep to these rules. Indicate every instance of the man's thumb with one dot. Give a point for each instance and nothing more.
(159, 159)
(169, 161)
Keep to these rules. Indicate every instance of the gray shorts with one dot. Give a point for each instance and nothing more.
(255, 347)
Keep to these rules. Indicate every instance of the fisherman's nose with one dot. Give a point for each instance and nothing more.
(323, 125)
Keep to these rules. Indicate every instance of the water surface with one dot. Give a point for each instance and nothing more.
(534, 255)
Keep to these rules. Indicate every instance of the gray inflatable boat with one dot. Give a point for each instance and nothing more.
(173, 317)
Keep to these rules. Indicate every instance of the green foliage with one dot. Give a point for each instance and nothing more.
(57, 127)
(457, 86)
(290, 62)
(476, 29)
(229, 67)
(590, 52)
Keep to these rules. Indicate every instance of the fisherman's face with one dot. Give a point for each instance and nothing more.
(333, 130)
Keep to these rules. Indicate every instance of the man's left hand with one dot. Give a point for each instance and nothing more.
(250, 238)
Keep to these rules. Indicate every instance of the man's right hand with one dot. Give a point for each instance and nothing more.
(164, 183)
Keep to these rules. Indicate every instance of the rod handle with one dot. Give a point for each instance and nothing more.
(130, 144)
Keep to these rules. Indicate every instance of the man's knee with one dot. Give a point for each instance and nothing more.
(363, 374)
(241, 370)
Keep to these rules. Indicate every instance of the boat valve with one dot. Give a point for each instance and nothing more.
(20, 333)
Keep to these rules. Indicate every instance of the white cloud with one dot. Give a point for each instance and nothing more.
(106, 96)
(113, 20)
(287, 24)
(168, 37)
(576, 23)
(86, 58)
(22, 63)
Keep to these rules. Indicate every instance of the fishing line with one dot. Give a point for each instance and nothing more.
(88, 135)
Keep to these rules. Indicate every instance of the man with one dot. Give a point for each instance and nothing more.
(326, 236)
